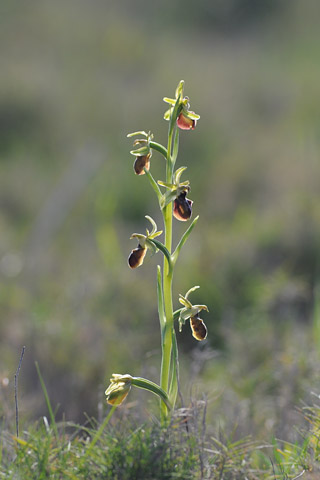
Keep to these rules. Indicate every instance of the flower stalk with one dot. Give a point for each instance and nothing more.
(173, 204)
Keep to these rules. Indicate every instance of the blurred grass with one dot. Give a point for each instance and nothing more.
(76, 78)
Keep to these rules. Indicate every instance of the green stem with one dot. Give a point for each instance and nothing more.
(166, 366)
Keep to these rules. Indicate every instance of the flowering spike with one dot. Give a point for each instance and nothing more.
(186, 119)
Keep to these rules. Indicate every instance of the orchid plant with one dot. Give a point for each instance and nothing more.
(173, 202)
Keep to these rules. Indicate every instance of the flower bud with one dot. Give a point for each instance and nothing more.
(136, 257)
(182, 207)
(185, 122)
(199, 330)
(140, 163)
(118, 389)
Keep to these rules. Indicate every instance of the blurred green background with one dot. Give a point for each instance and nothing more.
(76, 77)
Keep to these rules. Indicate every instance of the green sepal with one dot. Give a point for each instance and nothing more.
(166, 184)
(192, 289)
(176, 314)
(141, 132)
(154, 226)
(177, 175)
(179, 90)
(167, 114)
(141, 152)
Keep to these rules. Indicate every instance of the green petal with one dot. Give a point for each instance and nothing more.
(141, 152)
(172, 101)
(192, 115)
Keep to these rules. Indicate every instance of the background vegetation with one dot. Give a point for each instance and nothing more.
(76, 77)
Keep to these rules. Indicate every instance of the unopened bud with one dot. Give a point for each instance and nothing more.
(118, 389)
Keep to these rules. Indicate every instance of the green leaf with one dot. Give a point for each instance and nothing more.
(159, 148)
(152, 387)
(174, 383)
(154, 185)
(183, 240)
(49, 406)
(163, 249)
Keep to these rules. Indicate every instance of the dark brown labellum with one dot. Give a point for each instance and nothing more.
(182, 207)
(141, 163)
(136, 257)
(199, 330)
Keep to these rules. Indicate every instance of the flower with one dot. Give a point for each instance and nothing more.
(176, 192)
(199, 330)
(120, 386)
(143, 153)
(185, 118)
(182, 207)
(137, 255)
(118, 389)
